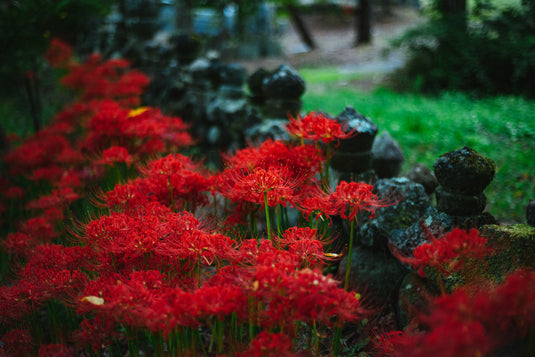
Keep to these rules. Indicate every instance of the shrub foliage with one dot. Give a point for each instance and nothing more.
(491, 52)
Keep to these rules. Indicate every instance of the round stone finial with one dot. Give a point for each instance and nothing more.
(464, 171)
(353, 120)
(283, 83)
(255, 80)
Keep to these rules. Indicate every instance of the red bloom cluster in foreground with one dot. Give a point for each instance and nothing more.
(450, 253)
(472, 321)
(117, 241)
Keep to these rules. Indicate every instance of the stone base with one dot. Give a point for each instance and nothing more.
(281, 108)
(355, 162)
(460, 205)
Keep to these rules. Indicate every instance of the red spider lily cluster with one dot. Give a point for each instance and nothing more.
(450, 253)
(472, 321)
(117, 241)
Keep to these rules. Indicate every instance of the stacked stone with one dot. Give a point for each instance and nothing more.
(277, 95)
(229, 112)
(463, 175)
(353, 157)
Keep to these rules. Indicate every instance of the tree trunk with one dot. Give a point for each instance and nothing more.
(33, 97)
(184, 12)
(363, 22)
(300, 26)
(452, 7)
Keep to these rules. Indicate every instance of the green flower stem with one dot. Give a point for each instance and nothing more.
(348, 269)
(327, 179)
(266, 207)
(316, 339)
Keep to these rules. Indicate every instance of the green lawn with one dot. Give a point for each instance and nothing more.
(501, 128)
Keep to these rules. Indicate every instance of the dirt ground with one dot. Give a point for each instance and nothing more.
(335, 34)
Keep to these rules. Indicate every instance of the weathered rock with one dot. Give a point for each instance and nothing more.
(458, 204)
(200, 72)
(413, 203)
(233, 74)
(353, 120)
(413, 298)
(436, 223)
(463, 175)
(377, 273)
(187, 48)
(387, 156)
(255, 80)
(419, 173)
(283, 83)
(464, 171)
(267, 129)
(353, 157)
(515, 247)
(356, 162)
(231, 82)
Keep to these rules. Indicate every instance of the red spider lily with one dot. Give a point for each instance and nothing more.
(313, 200)
(13, 193)
(38, 151)
(449, 253)
(153, 236)
(56, 350)
(54, 284)
(96, 333)
(304, 295)
(115, 154)
(299, 161)
(18, 243)
(318, 127)
(106, 80)
(351, 198)
(348, 200)
(129, 196)
(140, 131)
(275, 184)
(474, 320)
(267, 344)
(16, 302)
(39, 228)
(50, 173)
(16, 343)
(177, 181)
(268, 188)
(58, 54)
(304, 243)
(57, 198)
(52, 256)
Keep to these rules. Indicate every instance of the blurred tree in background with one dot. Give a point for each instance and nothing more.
(26, 28)
(484, 50)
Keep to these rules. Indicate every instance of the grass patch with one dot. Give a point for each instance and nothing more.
(501, 128)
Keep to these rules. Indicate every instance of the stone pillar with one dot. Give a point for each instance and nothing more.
(463, 175)
(283, 89)
(353, 157)
(277, 95)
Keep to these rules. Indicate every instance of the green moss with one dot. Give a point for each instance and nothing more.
(515, 245)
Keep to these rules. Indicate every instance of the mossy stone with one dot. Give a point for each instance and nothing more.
(515, 247)
(464, 171)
